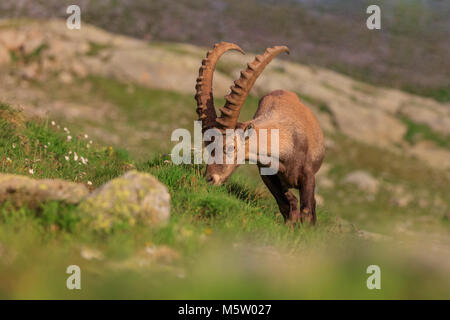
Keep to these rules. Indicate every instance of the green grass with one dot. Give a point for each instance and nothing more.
(96, 48)
(177, 48)
(173, 110)
(137, 101)
(47, 216)
(30, 57)
(378, 212)
(41, 147)
(441, 94)
(142, 105)
(234, 209)
(418, 131)
(142, 119)
(153, 111)
(228, 68)
(234, 212)
(167, 106)
(323, 106)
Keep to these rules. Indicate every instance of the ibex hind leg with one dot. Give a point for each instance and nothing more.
(307, 199)
(287, 202)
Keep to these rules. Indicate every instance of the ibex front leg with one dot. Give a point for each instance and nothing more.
(287, 202)
(307, 200)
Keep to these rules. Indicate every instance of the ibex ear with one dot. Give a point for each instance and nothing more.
(248, 129)
(244, 125)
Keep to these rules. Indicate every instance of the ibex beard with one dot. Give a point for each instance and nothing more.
(301, 143)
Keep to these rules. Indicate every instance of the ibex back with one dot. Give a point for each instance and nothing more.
(301, 141)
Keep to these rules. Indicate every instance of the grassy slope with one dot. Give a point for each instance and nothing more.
(228, 243)
(43, 146)
(197, 210)
(169, 110)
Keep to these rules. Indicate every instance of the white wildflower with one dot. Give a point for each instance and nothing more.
(75, 156)
(53, 123)
(89, 183)
(69, 138)
(86, 136)
(31, 171)
(90, 142)
(13, 145)
(67, 158)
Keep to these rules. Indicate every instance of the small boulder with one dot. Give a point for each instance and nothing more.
(22, 190)
(399, 196)
(370, 125)
(125, 201)
(66, 77)
(363, 181)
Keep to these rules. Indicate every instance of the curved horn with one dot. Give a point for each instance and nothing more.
(239, 91)
(204, 95)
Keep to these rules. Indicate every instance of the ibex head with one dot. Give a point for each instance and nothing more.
(219, 173)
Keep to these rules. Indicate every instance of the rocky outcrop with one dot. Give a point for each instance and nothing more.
(437, 119)
(369, 125)
(134, 198)
(363, 181)
(430, 153)
(24, 191)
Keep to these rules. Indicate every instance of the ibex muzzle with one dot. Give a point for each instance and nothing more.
(301, 143)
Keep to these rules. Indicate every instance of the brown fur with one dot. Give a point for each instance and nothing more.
(301, 151)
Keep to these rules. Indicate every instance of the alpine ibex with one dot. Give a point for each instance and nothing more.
(301, 141)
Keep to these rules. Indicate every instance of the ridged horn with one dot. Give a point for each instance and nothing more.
(241, 88)
(204, 95)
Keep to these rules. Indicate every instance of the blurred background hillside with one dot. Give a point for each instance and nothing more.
(329, 33)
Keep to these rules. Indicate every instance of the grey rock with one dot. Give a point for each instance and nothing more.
(22, 190)
(363, 181)
(126, 201)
